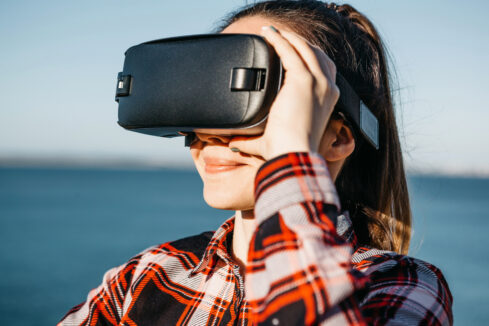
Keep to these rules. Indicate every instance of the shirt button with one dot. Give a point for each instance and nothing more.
(275, 321)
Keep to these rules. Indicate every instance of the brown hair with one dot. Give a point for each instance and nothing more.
(372, 183)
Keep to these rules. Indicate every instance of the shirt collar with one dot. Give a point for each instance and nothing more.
(220, 244)
(219, 247)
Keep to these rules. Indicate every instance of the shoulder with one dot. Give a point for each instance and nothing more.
(371, 260)
(191, 249)
(179, 255)
(404, 287)
(120, 284)
(376, 262)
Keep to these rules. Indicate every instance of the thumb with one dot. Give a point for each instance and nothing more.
(247, 145)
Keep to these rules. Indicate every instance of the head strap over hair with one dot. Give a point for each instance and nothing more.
(333, 6)
(340, 10)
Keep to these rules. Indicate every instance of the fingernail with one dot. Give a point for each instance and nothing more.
(234, 149)
(264, 28)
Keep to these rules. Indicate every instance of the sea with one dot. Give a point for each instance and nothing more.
(62, 228)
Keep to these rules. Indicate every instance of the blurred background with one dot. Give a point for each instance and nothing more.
(78, 194)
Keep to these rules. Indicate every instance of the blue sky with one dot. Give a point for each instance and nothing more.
(59, 61)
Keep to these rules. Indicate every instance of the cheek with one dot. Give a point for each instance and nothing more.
(231, 190)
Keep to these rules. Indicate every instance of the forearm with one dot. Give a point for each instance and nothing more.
(298, 266)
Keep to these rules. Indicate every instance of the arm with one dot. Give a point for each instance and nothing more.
(296, 210)
(299, 270)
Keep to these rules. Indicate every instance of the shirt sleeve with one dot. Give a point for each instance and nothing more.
(299, 269)
(104, 304)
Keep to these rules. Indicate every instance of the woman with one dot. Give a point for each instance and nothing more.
(322, 219)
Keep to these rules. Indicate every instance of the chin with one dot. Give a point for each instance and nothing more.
(229, 198)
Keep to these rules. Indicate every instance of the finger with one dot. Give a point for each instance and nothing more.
(247, 145)
(314, 57)
(291, 60)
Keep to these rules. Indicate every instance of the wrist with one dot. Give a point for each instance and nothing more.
(278, 151)
(286, 145)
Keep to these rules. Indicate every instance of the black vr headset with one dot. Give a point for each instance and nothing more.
(219, 83)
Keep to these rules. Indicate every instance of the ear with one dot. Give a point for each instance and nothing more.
(338, 142)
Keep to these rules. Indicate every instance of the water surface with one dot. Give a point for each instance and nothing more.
(61, 229)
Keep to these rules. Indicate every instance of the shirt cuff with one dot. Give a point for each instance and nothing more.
(293, 178)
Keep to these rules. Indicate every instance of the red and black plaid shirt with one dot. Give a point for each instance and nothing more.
(303, 269)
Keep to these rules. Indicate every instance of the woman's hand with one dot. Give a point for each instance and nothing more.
(303, 106)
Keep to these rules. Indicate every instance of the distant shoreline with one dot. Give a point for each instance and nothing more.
(81, 163)
(141, 164)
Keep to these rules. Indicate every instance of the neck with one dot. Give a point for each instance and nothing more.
(244, 226)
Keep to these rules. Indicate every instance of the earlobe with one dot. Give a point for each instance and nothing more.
(338, 142)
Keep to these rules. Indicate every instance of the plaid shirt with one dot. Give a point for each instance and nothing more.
(304, 268)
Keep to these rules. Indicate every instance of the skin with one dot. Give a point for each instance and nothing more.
(299, 121)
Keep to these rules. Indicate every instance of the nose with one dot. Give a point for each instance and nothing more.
(214, 139)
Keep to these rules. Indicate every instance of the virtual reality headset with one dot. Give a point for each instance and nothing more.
(214, 83)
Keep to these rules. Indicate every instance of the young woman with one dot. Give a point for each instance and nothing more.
(322, 221)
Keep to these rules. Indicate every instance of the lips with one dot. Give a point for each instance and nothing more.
(217, 165)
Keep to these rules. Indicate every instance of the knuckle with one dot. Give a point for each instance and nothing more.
(322, 83)
(330, 90)
(335, 91)
(332, 67)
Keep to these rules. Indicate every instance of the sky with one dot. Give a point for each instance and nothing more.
(59, 61)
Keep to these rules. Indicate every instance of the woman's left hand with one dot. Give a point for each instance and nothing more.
(303, 106)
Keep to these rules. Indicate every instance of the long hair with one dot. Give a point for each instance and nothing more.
(372, 183)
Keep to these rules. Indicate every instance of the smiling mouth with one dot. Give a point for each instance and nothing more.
(217, 168)
(217, 165)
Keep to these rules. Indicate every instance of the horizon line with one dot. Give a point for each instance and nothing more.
(117, 163)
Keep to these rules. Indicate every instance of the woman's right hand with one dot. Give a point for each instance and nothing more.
(299, 115)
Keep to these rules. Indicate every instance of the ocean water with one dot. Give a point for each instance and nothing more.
(61, 229)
